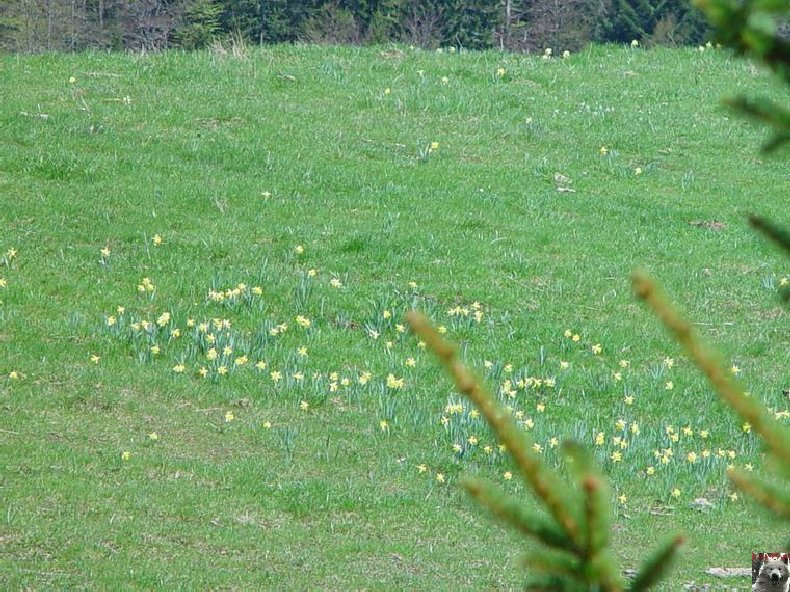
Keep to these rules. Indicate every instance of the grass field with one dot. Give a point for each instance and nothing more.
(255, 416)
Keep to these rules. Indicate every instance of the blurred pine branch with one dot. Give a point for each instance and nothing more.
(758, 29)
(574, 551)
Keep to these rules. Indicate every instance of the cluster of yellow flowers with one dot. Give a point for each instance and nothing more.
(233, 295)
(146, 286)
(652, 453)
(475, 310)
(533, 394)
(224, 349)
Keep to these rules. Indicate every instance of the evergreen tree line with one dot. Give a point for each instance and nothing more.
(517, 25)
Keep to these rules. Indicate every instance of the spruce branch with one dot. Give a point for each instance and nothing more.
(766, 494)
(576, 553)
(775, 436)
(562, 567)
(767, 112)
(545, 484)
(596, 510)
(774, 232)
(602, 566)
(596, 497)
(514, 513)
(749, 27)
(657, 565)
(752, 28)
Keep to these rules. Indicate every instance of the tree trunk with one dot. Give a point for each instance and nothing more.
(262, 14)
(73, 25)
(504, 40)
(48, 9)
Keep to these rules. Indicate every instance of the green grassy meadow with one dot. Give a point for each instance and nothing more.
(205, 382)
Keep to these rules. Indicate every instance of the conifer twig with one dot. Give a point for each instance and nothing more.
(597, 516)
(761, 492)
(603, 567)
(777, 234)
(656, 566)
(515, 514)
(552, 562)
(776, 438)
(576, 553)
(545, 485)
(596, 495)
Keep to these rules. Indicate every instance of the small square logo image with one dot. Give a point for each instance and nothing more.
(770, 572)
